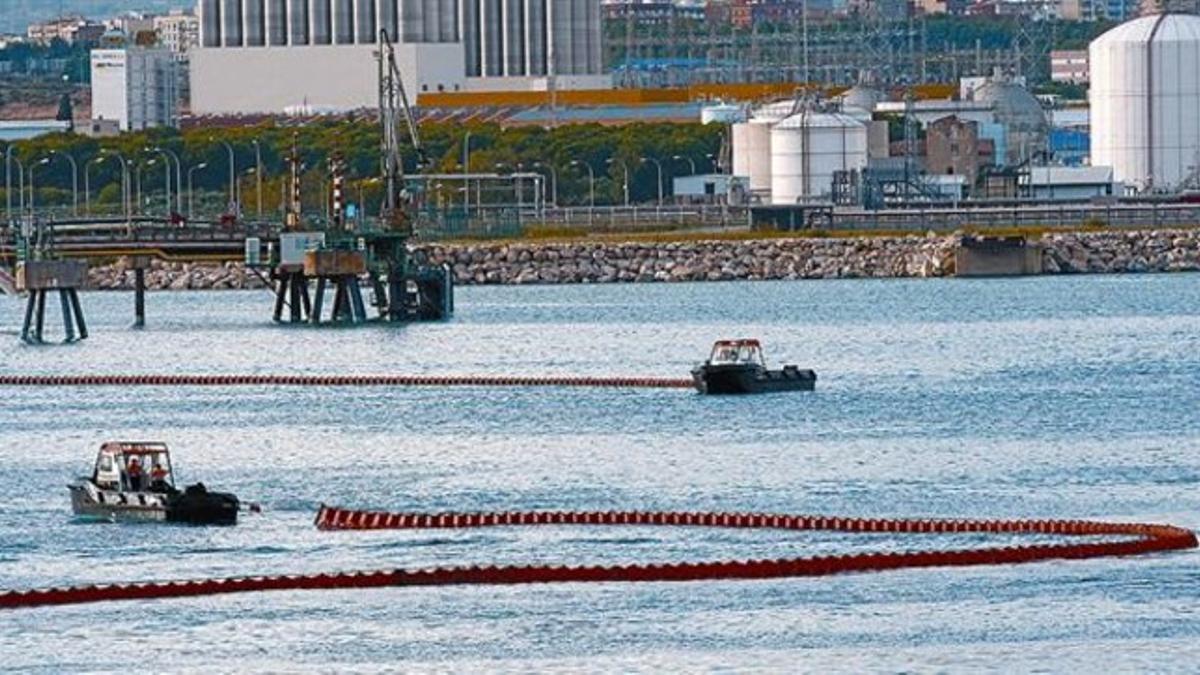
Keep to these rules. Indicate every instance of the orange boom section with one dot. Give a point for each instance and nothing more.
(1131, 539)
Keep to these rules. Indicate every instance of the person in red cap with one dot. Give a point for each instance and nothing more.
(158, 478)
(134, 471)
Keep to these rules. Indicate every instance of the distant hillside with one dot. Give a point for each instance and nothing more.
(15, 15)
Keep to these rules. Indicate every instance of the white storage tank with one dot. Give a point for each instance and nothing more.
(807, 148)
(722, 113)
(1145, 100)
(752, 145)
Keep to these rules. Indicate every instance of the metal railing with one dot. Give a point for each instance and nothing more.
(1066, 216)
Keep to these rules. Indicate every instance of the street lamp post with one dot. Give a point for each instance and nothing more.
(126, 194)
(74, 180)
(20, 191)
(238, 184)
(178, 177)
(554, 178)
(258, 176)
(233, 196)
(591, 187)
(137, 175)
(87, 184)
(166, 178)
(8, 201)
(191, 194)
(689, 160)
(32, 191)
(658, 165)
(501, 166)
(466, 165)
(625, 184)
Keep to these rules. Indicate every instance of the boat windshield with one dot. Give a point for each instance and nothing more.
(736, 353)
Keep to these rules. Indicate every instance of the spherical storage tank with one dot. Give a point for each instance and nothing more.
(1019, 113)
(752, 144)
(806, 150)
(1145, 99)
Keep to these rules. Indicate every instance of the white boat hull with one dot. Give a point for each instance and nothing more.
(89, 501)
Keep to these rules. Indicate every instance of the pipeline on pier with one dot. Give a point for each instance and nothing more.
(1136, 539)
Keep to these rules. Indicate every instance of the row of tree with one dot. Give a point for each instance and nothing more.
(563, 153)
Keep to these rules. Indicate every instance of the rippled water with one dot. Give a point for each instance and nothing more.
(1050, 397)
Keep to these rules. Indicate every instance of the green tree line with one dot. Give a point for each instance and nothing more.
(492, 149)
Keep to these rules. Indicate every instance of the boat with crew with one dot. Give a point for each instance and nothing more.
(739, 367)
(134, 481)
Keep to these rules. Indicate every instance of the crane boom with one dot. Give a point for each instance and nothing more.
(394, 110)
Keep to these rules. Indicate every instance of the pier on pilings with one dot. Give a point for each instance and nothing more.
(340, 269)
(40, 278)
(291, 291)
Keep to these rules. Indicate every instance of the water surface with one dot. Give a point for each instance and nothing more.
(1071, 397)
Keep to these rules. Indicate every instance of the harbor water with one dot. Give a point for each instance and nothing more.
(1064, 397)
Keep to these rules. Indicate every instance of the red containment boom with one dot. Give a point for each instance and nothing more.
(339, 381)
(1127, 539)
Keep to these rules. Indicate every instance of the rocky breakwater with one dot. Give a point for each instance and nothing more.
(1121, 252)
(597, 262)
(722, 260)
(176, 276)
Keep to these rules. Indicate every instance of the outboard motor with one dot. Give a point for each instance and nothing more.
(197, 506)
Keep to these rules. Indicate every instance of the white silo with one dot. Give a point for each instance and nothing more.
(807, 148)
(253, 23)
(1145, 100)
(722, 113)
(752, 144)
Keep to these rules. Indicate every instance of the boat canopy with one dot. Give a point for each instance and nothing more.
(737, 351)
(131, 448)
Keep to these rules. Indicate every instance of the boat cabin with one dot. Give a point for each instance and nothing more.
(134, 467)
(737, 352)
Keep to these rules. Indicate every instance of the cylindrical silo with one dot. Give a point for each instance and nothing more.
(429, 26)
(514, 37)
(231, 23)
(595, 31)
(808, 148)
(752, 154)
(752, 145)
(343, 22)
(254, 23)
(320, 13)
(579, 37)
(471, 37)
(210, 23)
(387, 17)
(412, 20)
(535, 37)
(1145, 100)
(277, 22)
(447, 21)
(365, 31)
(298, 22)
(492, 42)
(559, 41)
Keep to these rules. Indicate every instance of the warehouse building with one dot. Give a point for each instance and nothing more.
(264, 56)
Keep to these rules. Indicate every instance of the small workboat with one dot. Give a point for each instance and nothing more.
(738, 367)
(134, 481)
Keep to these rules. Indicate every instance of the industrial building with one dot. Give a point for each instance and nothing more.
(321, 53)
(797, 152)
(1145, 101)
(137, 87)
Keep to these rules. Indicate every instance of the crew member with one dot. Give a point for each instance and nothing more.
(158, 478)
(134, 471)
